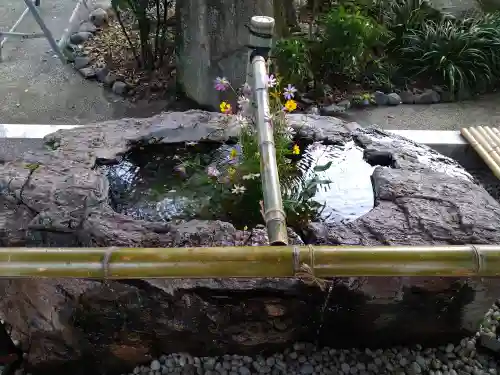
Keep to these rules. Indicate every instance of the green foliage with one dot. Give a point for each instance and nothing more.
(348, 42)
(389, 43)
(459, 55)
(151, 17)
(293, 58)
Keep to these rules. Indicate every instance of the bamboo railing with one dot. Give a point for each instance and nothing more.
(306, 262)
(486, 142)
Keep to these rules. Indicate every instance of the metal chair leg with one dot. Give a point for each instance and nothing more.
(53, 44)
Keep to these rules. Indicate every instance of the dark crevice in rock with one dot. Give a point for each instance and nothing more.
(378, 158)
(11, 357)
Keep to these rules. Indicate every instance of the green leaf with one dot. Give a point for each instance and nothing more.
(322, 168)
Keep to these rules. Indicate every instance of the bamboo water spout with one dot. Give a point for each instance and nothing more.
(261, 32)
(309, 262)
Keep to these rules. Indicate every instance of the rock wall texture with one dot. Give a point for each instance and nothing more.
(57, 197)
(212, 43)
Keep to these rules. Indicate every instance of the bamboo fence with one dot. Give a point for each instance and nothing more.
(309, 263)
(486, 142)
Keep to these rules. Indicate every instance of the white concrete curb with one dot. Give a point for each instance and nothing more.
(30, 131)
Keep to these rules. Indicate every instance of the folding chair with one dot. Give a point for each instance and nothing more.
(31, 7)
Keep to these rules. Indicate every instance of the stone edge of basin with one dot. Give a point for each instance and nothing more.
(447, 142)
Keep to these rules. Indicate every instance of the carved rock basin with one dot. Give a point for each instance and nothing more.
(78, 325)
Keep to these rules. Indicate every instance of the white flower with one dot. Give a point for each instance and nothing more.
(237, 189)
(191, 143)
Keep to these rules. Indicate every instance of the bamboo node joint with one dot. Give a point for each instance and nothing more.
(305, 272)
(106, 260)
(478, 260)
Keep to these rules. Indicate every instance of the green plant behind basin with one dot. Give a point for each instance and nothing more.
(348, 42)
(460, 55)
(293, 58)
(151, 19)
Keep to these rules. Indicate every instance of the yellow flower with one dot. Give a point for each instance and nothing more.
(231, 171)
(291, 105)
(296, 150)
(225, 107)
(233, 153)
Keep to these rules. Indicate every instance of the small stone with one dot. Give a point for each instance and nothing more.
(209, 364)
(101, 74)
(87, 73)
(293, 355)
(427, 97)
(244, 370)
(380, 98)
(155, 365)
(345, 103)
(99, 17)
(81, 62)
(407, 97)
(109, 79)
(80, 37)
(119, 87)
(393, 99)
(345, 368)
(415, 367)
(449, 348)
(313, 110)
(188, 370)
(270, 361)
(87, 27)
(306, 369)
(331, 110)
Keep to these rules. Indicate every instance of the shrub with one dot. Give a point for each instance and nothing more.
(293, 59)
(152, 21)
(348, 42)
(459, 55)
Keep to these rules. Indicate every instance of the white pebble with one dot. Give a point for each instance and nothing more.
(155, 365)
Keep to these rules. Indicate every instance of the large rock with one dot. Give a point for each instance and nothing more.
(56, 197)
(212, 43)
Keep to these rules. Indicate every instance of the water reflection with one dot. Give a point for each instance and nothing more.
(349, 194)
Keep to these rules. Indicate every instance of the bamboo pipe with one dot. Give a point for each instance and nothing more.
(485, 151)
(261, 31)
(305, 262)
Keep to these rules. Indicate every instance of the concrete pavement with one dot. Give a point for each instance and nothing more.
(35, 87)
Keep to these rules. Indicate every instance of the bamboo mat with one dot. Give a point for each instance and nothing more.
(486, 142)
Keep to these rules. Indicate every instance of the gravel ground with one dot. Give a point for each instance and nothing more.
(451, 359)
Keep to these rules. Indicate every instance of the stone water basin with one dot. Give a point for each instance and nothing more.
(111, 327)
